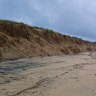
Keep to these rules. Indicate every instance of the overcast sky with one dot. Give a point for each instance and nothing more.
(74, 17)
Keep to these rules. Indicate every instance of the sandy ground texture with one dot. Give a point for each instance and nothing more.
(70, 75)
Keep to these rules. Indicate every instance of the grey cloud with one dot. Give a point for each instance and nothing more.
(74, 17)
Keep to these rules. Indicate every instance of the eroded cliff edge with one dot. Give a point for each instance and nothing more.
(18, 40)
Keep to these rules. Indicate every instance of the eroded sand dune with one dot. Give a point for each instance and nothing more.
(68, 75)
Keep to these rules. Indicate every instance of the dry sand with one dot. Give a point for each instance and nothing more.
(70, 75)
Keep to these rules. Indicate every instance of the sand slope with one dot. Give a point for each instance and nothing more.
(18, 40)
(70, 75)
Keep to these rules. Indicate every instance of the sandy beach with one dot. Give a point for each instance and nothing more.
(67, 75)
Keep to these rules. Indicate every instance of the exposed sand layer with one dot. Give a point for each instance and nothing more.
(18, 40)
(68, 75)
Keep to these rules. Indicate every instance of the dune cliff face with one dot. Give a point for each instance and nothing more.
(18, 40)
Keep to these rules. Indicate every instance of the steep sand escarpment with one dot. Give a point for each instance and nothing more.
(18, 40)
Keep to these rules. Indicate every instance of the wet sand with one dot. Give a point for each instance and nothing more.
(68, 75)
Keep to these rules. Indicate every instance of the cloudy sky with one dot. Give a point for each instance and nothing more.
(74, 17)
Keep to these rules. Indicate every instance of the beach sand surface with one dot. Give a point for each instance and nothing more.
(67, 75)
